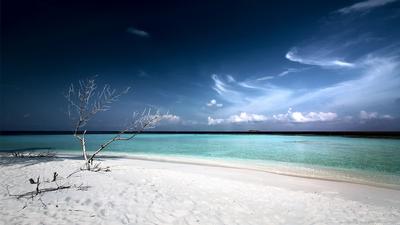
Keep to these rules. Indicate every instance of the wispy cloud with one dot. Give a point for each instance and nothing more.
(292, 55)
(291, 70)
(249, 95)
(379, 76)
(266, 78)
(137, 32)
(364, 6)
(230, 78)
(360, 76)
(283, 73)
(226, 90)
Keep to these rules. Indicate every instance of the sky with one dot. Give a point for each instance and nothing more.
(211, 65)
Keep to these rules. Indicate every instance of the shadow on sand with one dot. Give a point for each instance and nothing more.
(31, 156)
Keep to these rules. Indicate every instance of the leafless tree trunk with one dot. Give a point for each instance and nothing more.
(85, 101)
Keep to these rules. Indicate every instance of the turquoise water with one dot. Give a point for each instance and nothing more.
(377, 156)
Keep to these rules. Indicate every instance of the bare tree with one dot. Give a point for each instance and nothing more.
(85, 101)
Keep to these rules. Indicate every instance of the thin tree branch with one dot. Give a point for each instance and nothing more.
(146, 122)
(86, 102)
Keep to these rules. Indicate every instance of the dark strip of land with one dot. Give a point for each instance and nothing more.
(372, 134)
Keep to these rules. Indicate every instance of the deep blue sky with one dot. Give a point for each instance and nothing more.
(214, 65)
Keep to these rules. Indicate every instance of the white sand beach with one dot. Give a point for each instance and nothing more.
(138, 191)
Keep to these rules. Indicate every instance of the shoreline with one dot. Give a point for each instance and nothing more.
(140, 191)
(251, 165)
(312, 172)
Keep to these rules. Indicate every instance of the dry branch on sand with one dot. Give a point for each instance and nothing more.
(40, 188)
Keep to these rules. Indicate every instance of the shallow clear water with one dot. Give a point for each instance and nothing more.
(369, 155)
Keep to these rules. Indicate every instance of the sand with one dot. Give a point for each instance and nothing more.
(139, 191)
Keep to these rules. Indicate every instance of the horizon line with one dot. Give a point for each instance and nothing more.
(254, 132)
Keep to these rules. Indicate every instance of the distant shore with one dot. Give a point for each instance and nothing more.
(361, 134)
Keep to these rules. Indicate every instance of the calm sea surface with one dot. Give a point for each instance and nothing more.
(362, 158)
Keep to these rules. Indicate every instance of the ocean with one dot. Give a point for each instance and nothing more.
(362, 160)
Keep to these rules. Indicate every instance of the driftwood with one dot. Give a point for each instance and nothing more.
(38, 192)
(32, 194)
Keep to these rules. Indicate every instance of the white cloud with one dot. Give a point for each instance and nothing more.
(137, 32)
(313, 116)
(213, 103)
(387, 117)
(289, 117)
(244, 117)
(212, 121)
(364, 115)
(171, 118)
(293, 56)
(368, 115)
(299, 117)
(364, 5)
